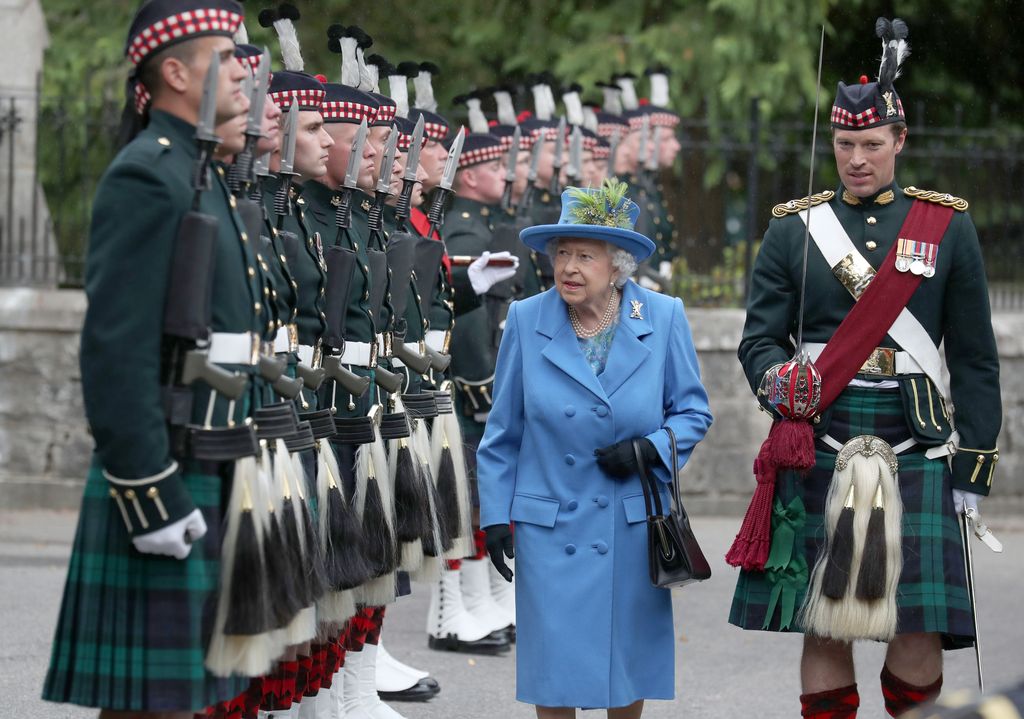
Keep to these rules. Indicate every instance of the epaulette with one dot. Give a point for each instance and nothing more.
(801, 203)
(940, 198)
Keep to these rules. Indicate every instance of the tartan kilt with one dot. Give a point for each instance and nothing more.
(133, 628)
(932, 592)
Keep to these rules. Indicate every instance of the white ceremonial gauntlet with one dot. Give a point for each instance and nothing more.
(174, 540)
(483, 277)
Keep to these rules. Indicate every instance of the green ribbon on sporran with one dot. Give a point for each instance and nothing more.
(786, 571)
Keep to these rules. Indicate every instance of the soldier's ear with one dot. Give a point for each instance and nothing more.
(900, 140)
(176, 74)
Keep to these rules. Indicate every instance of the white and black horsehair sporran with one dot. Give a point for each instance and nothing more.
(852, 591)
(299, 538)
(376, 508)
(449, 469)
(341, 535)
(242, 641)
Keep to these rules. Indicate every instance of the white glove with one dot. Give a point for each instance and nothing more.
(483, 277)
(174, 540)
(966, 500)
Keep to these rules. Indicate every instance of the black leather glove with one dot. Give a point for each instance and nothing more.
(619, 461)
(499, 545)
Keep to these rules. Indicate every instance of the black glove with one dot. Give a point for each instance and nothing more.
(619, 461)
(499, 542)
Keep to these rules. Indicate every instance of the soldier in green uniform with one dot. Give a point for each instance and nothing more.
(137, 608)
(916, 597)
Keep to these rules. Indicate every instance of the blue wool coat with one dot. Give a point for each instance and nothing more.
(591, 630)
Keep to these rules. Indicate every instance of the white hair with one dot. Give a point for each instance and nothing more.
(622, 260)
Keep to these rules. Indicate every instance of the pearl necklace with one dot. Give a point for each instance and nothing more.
(609, 314)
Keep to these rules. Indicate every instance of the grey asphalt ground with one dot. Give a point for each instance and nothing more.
(721, 672)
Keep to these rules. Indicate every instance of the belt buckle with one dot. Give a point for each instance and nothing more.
(881, 361)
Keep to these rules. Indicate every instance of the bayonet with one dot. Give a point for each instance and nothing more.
(242, 175)
(966, 530)
(510, 169)
(575, 155)
(645, 132)
(613, 150)
(447, 178)
(261, 80)
(343, 211)
(652, 154)
(387, 164)
(206, 137)
(282, 200)
(556, 162)
(412, 164)
(531, 177)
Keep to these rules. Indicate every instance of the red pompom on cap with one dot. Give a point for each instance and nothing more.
(863, 79)
(321, 78)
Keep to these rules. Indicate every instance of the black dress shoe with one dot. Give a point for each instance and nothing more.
(491, 644)
(421, 691)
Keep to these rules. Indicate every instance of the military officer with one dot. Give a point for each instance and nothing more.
(892, 272)
(151, 511)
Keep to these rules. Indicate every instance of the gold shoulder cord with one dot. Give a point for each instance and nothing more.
(802, 203)
(939, 198)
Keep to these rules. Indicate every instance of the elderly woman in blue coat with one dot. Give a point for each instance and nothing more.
(583, 370)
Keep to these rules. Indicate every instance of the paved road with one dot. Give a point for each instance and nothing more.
(721, 672)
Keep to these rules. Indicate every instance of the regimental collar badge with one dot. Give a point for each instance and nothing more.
(335, 200)
(883, 198)
(916, 257)
(635, 307)
(365, 204)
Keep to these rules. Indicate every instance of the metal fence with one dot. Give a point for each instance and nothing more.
(728, 177)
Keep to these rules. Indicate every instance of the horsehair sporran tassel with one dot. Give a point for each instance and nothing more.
(345, 529)
(310, 538)
(240, 642)
(450, 438)
(378, 527)
(437, 537)
(337, 604)
(871, 579)
(870, 465)
(284, 599)
(840, 549)
(302, 627)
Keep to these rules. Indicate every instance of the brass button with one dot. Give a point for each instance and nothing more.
(366, 268)
(366, 296)
(995, 457)
(252, 272)
(484, 211)
(981, 459)
(232, 202)
(871, 245)
(244, 236)
(164, 141)
(872, 221)
(258, 307)
(270, 327)
(152, 492)
(284, 260)
(465, 215)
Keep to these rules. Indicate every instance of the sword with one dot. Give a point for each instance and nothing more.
(343, 211)
(556, 162)
(510, 169)
(652, 155)
(645, 132)
(966, 522)
(531, 178)
(572, 173)
(451, 165)
(412, 163)
(282, 201)
(241, 174)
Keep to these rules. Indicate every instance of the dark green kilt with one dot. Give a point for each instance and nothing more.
(932, 592)
(133, 628)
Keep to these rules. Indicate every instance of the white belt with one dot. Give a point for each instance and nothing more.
(356, 353)
(435, 340)
(234, 348)
(481, 417)
(286, 339)
(904, 363)
(413, 347)
(306, 353)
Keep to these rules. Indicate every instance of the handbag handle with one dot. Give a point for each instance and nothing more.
(650, 484)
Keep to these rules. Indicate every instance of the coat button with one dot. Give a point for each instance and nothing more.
(601, 411)
(570, 549)
(601, 547)
(570, 460)
(572, 505)
(570, 410)
(872, 221)
(602, 501)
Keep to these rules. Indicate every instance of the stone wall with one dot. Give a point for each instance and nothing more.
(44, 444)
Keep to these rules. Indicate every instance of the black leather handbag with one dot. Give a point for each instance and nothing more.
(675, 558)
